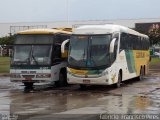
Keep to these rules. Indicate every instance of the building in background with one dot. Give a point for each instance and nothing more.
(142, 25)
(11, 28)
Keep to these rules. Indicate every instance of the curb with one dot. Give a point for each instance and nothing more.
(4, 74)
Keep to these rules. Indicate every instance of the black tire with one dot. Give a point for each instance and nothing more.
(28, 84)
(83, 87)
(141, 75)
(62, 80)
(118, 84)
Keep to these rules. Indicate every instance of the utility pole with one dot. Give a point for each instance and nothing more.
(67, 6)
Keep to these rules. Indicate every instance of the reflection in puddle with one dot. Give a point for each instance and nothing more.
(142, 102)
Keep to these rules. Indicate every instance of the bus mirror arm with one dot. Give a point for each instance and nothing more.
(63, 45)
(111, 49)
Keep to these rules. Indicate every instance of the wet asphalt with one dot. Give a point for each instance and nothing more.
(46, 102)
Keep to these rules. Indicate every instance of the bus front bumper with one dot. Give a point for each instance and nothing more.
(102, 80)
(33, 80)
(24, 80)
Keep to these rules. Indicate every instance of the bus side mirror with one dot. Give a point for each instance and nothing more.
(111, 49)
(63, 50)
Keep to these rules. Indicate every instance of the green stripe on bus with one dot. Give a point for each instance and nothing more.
(130, 61)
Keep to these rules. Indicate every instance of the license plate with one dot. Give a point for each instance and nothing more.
(28, 78)
(86, 81)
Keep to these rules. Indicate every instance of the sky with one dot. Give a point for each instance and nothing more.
(62, 10)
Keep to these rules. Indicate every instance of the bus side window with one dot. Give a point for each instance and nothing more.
(123, 42)
(114, 54)
(115, 48)
(115, 35)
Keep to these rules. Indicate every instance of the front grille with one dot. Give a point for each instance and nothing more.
(28, 76)
(24, 72)
(27, 72)
(33, 72)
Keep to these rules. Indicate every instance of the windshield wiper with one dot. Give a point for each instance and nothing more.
(34, 59)
(32, 56)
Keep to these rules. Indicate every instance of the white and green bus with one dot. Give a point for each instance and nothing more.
(37, 57)
(106, 54)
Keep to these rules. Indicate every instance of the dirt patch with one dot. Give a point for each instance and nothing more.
(155, 66)
(154, 70)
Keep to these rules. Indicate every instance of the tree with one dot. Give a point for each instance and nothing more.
(7, 40)
(154, 35)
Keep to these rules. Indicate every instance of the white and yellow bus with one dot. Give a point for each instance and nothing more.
(106, 54)
(37, 57)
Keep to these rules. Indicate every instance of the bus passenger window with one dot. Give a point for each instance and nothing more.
(114, 54)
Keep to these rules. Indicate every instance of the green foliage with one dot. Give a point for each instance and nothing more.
(4, 64)
(154, 36)
(155, 61)
(7, 40)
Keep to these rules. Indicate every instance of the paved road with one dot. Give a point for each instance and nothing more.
(49, 103)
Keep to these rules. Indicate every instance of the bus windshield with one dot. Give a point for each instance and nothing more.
(90, 51)
(32, 54)
(34, 39)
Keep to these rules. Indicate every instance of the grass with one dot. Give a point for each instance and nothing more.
(4, 64)
(155, 61)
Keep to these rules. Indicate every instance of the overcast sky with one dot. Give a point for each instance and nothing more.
(58, 10)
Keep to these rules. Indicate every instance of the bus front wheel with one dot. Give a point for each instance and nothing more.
(62, 81)
(28, 84)
(83, 87)
(118, 84)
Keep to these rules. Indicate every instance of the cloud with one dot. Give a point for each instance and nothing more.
(56, 10)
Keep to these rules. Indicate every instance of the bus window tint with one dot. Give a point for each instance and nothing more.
(100, 49)
(133, 42)
(123, 41)
(34, 39)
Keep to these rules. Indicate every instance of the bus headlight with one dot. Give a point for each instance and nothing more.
(104, 73)
(43, 75)
(39, 76)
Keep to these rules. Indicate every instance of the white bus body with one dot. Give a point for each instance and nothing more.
(113, 54)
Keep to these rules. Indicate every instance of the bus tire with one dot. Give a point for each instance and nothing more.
(61, 81)
(28, 84)
(141, 74)
(118, 84)
(83, 87)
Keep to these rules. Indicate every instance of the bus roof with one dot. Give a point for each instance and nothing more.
(105, 29)
(43, 31)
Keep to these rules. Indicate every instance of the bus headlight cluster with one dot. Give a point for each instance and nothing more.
(43, 75)
(15, 75)
(104, 73)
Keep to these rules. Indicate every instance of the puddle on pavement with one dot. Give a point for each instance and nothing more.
(56, 102)
(132, 97)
